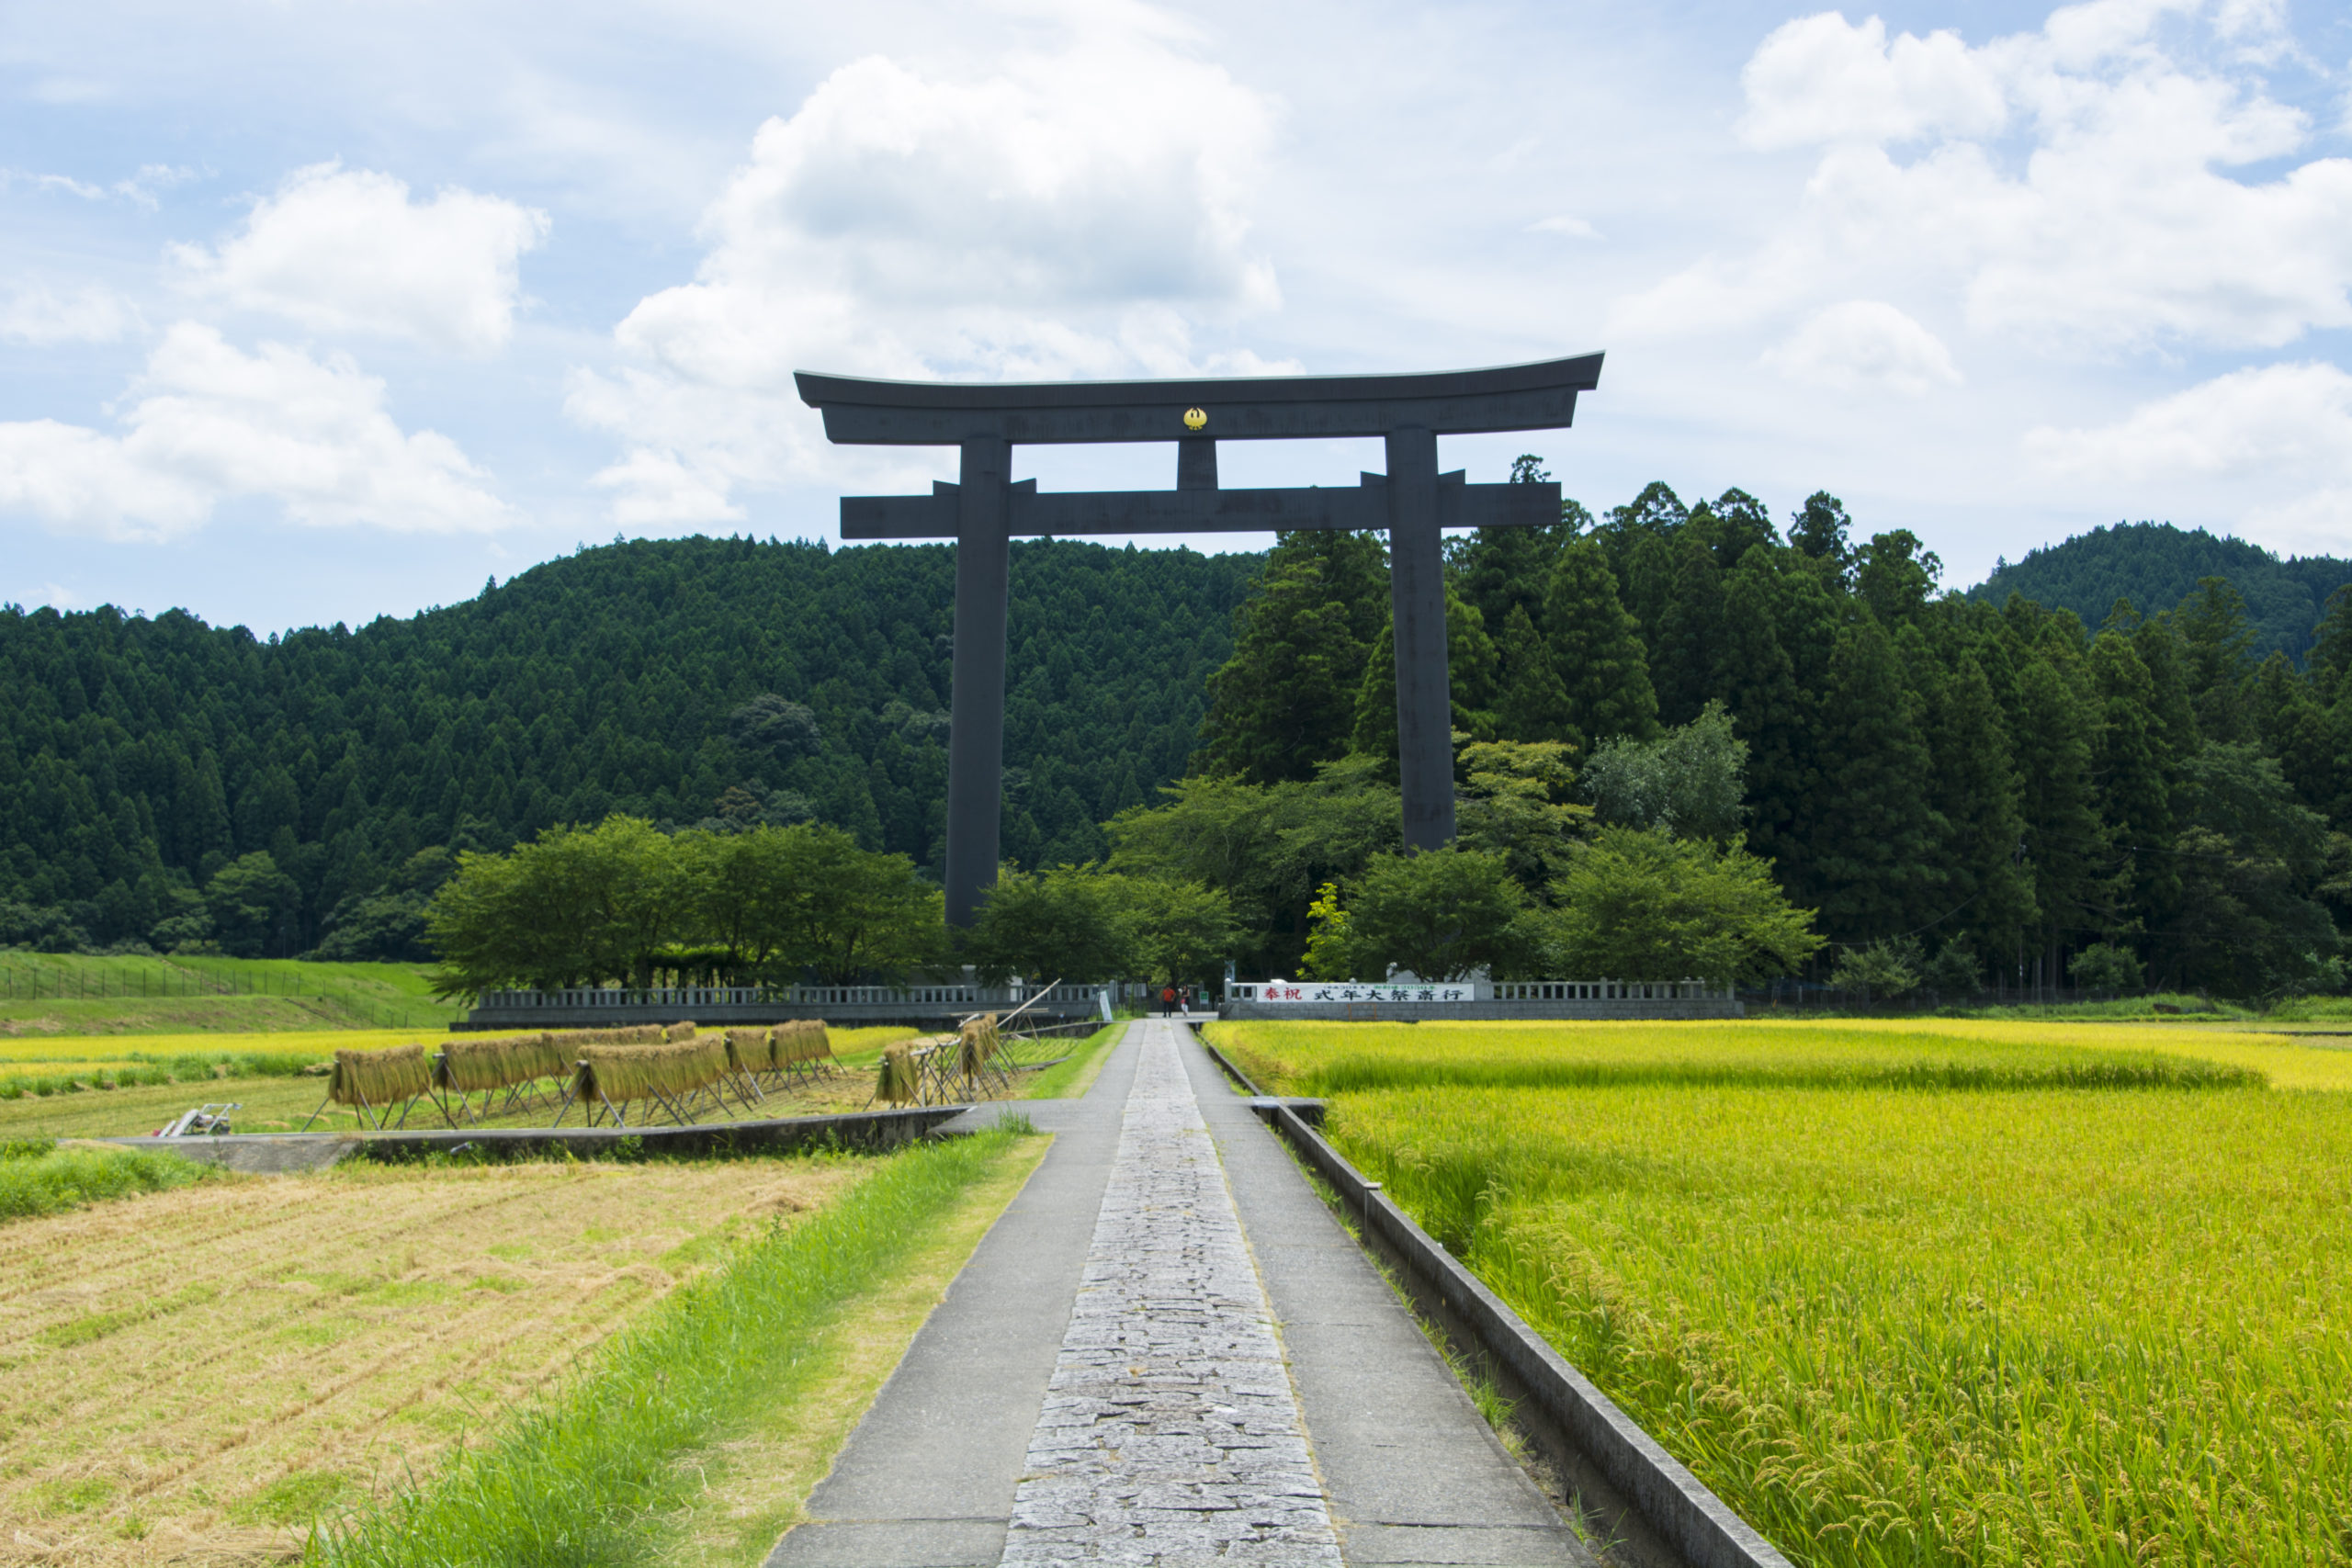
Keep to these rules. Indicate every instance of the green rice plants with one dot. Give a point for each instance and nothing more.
(583, 1477)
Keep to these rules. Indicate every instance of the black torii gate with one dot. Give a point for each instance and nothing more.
(985, 509)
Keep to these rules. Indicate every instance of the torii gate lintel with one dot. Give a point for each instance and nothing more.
(984, 510)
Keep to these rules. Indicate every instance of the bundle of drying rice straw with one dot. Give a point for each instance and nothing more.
(619, 1073)
(380, 1078)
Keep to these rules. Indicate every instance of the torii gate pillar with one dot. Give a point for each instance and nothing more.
(1417, 608)
(976, 699)
(984, 510)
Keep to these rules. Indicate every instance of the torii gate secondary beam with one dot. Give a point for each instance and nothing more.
(939, 514)
(985, 510)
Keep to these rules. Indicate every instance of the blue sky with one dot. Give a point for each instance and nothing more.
(311, 313)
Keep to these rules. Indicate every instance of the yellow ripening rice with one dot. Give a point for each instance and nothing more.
(677, 1032)
(380, 1078)
(620, 1073)
(751, 1050)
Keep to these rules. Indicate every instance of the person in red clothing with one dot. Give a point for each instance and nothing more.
(1167, 999)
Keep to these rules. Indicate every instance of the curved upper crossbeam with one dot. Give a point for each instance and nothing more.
(1541, 396)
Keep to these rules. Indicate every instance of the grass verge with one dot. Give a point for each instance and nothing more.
(590, 1475)
(38, 1177)
(1072, 1078)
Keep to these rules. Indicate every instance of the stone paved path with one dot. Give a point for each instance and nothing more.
(954, 1466)
(1170, 1433)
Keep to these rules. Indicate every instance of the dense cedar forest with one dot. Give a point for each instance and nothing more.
(1978, 788)
(2155, 564)
(1984, 782)
(145, 763)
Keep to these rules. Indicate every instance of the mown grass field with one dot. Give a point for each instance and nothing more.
(67, 994)
(1908, 1292)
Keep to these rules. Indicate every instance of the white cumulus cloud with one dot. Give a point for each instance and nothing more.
(1865, 345)
(207, 422)
(2077, 190)
(2272, 445)
(347, 251)
(2276, 421)
(1820, 79)
(42, 316)
(1081, 212)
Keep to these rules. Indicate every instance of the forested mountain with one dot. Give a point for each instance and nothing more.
(2155, 564)
(146, 763)
(2001, 785)
(1982, 784)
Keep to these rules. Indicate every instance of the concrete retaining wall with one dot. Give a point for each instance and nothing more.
(1687, 1518)
(277, 1153)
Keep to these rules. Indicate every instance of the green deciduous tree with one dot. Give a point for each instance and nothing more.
(1516, 799)
(1439, 914)
(252, 904)
(622, 900)
(1061, 923)
(1642, 905)
(1183, 931)
(1689, 782)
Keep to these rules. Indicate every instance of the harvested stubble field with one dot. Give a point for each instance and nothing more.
(1893, 1321)
(189, 1375)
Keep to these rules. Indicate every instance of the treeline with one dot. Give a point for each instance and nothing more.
(1951, 784)
(1948, 782)
(624, 903)
(692, 681)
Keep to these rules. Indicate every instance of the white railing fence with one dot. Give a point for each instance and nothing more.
(1314, 992)
(950, 995)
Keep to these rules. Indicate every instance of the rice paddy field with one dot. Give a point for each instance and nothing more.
(1934, 1291)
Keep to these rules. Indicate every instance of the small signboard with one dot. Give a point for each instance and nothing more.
(1326, 992)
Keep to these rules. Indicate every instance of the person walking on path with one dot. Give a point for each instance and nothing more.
(1167, 1001)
